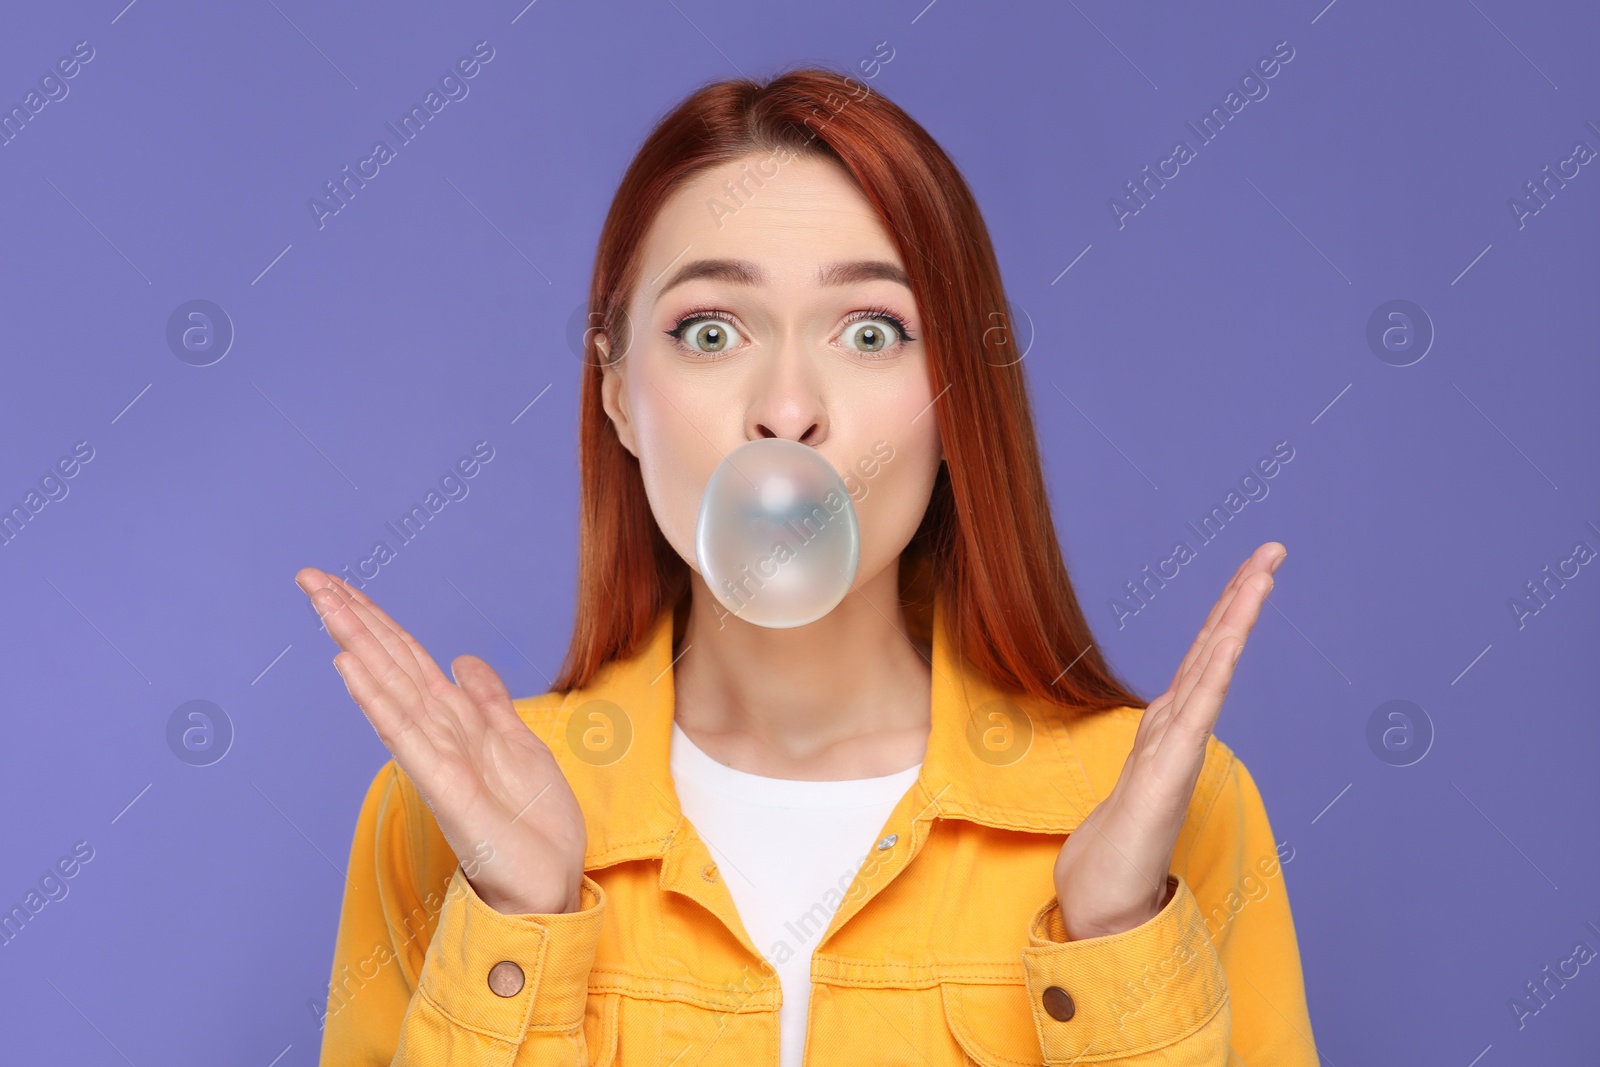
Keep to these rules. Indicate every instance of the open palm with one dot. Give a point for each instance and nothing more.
(1111, 874)
(494, 787)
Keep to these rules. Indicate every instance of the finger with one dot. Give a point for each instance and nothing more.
(393, 644)
(430, 670)
(386, 694)
(1197, 648)
(427, 681)
(471, 717)
(351, 631)
(1151, 722)
(378, 627)
(484, 687)
(1235, 625)
(1185, 739)
(1238, 617)
(400, 733)
(1265, 558)
(1261, 558)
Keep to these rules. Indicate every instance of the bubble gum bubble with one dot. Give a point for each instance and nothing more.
(777, 541)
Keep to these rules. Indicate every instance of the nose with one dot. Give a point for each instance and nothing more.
(787, 397)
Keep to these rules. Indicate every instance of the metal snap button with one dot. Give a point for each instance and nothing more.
(505, 978)
(1058, 1002)
(888, 842)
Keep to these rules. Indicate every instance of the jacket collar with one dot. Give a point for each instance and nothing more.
(633, 810)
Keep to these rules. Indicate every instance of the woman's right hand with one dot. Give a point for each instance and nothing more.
(494, 787)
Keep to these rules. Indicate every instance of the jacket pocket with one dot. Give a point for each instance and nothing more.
(993, 1024)
(600, 1028)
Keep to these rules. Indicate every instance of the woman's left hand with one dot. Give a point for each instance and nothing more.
(1111, 874)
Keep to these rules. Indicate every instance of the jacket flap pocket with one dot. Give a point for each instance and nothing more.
(993, 1024)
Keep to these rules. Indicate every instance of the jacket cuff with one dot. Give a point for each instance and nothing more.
(1125, 993)
(540, 964)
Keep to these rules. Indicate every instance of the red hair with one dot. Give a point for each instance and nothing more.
(987, 541)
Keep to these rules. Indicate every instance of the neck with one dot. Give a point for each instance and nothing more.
(846, 696)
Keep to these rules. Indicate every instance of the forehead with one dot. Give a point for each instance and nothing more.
(789, 218)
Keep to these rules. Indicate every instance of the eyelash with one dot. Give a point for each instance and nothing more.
(713, 313)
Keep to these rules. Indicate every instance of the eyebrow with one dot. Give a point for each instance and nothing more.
(744, 272)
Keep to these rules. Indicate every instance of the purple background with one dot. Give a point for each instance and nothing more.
(1229, 314)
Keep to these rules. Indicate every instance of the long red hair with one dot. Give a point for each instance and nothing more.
(987, 543)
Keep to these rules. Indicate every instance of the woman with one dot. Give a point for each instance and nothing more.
(1042, 869)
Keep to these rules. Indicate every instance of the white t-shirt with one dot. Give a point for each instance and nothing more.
(788, 851)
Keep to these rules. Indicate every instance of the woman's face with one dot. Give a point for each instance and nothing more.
(773, 313)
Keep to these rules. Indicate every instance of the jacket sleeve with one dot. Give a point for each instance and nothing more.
(1213, 980)
(415, 947)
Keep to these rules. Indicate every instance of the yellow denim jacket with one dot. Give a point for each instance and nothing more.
(947, 948)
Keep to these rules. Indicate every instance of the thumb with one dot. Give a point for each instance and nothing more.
(479, 681)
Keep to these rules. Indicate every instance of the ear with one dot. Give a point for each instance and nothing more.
(612, 395)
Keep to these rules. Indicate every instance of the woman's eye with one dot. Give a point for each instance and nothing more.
(711, 336)
(873, 335)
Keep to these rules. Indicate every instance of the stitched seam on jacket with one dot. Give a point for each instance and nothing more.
(846, 972)
(695, 990)
(611, 982)
(1059, 731)
(1122, 1053)
(1216, 793)
(955, 1015)
(395, 793)
(453, 1021)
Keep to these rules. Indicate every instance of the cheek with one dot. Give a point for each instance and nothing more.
(675, 462)
(895, 499)
(891, 502)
